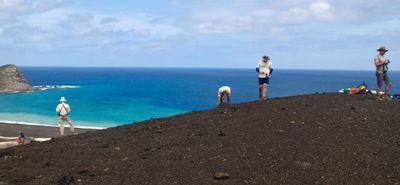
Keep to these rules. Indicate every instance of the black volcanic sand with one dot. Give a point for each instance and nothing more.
(312, 139)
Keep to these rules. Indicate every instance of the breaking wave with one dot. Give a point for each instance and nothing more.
(47, 87)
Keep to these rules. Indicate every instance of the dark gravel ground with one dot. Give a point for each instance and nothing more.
(311, 139)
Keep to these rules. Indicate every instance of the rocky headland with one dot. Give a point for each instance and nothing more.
(12, 80)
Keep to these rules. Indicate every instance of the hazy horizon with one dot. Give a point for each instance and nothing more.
(216, 68)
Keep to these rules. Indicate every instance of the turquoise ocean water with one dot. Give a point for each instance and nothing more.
(106, 97)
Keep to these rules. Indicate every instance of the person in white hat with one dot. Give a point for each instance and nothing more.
(63, 109)
(222, 91)
(381, 64)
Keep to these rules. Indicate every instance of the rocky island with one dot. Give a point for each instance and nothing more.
(12, 80)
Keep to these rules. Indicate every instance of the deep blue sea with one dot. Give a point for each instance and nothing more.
(105, 97)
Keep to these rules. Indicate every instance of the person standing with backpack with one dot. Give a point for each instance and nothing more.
(381, 64)
(63, 109)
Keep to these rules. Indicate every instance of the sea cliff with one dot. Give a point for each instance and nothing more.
(12, 79)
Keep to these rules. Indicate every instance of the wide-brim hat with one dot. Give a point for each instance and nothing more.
(382, 49)
(62, 99)
(265, 57)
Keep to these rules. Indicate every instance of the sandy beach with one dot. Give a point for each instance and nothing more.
(36, 131)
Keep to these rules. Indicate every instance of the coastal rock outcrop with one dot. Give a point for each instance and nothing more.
(11, 79)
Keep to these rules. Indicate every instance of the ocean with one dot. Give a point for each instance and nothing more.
(107, 97)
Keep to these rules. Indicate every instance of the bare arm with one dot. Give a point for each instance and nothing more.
(379, 63)
(68, 108)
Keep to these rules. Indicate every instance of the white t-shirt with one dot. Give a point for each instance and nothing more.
(63, 109)
(264, 67)
(224, 89)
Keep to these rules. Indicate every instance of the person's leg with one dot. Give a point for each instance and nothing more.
(61, 125)
(260, 88)
(228, 97)
(387, 88)
(388, 84)
(379, 81)
(264, 91)
(222, 98)
(71, 126)
(260, 91)
(266, 83)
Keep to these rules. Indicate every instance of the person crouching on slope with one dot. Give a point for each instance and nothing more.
(222, 91)
(264, 69)
(63, 109)
(21, 138)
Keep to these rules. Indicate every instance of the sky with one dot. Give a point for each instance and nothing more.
(296, 34)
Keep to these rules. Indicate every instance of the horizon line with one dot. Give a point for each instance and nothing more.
(148, 67)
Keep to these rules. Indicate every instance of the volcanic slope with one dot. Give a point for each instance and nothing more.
(310, 139)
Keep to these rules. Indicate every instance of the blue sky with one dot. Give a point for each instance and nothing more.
(296, 34)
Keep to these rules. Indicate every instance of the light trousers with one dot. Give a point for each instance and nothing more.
(61, 120)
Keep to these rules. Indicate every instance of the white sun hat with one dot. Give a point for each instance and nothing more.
(63, 99)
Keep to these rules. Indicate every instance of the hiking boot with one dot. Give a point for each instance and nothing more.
(387, 98)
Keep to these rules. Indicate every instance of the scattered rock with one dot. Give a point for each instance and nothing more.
(147, 149)
(102, 146)
(83, 171)
(66, 179)
(292, 121)
(117, 148)
(221, 176)
(47, 163)
(304, 165)
(106, 169)
(221, 133)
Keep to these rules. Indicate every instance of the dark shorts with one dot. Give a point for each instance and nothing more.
(263, 81)
(382, 77)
